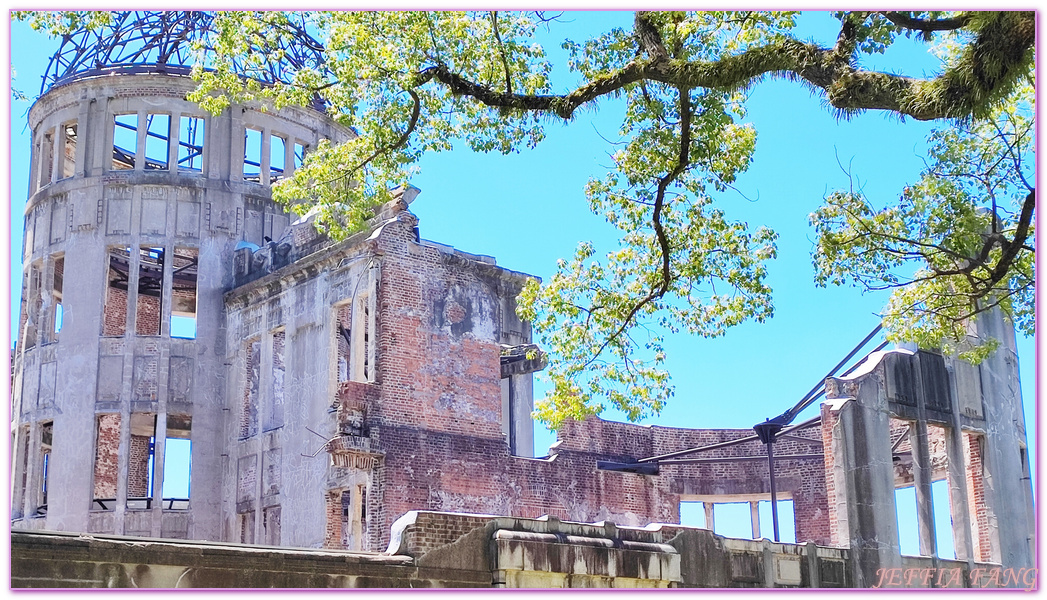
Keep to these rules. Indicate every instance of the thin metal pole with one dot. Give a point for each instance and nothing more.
(774, 494)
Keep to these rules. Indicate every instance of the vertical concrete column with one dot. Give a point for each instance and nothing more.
(921, 455)
(266, 149)
(140, 144)
(289, 156)
(867, 472)
(710, 515)
(57, 156)
(959, 504)
(172, 143)
(754, 514)
(83, 121)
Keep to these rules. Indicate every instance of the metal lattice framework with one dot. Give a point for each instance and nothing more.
(168, 41)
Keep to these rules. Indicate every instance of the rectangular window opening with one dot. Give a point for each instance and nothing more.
(299, 156)
(157, 142)
(941, 497)
(114, 317)
(140, 461)
(46, 440)
(343, 339)
(178, 462)
(692, 514)
(191, 144)
(47, 157)
(68, 150)
(277, 158)
(183, 293)
(18, 510)
(274, 417)
(361, 350)
(107, 456)
(271, 525)
(125, 142)
(249, 405)
(149, 304)
(31, 303)
(252, 155)
(246, 527)
(57, 314)
(786, 521)
(353, 516)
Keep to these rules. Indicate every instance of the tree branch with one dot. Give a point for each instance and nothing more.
(903, 20)
(986, 70)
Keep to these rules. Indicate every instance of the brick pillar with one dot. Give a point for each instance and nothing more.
(980, 517)
(333, 511)
(107, 455)
(830, 420)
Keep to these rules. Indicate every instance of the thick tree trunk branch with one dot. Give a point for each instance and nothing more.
(903, 20)
(987, 70)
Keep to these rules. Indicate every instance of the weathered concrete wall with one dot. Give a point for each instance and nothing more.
(432, 549)
(115, 354)
(910, 418)
(430, 429)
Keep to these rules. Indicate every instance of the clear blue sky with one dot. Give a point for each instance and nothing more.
(528, 210)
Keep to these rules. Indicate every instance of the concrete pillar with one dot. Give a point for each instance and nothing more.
(921, 461)
(754, 511)
(710, 517)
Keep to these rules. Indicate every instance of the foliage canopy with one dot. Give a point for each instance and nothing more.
(409, 82)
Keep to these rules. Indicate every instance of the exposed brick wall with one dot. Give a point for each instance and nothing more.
(428, 430)
(147, 315)
(980, 517)
(107, 455)
(830, 420)
(114, 317)
(333, 515)
(138, 467)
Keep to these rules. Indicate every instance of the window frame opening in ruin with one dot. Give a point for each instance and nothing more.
(275, 395)
(117, 296)
(354, 516)
(57, 312)
(140, 485)
(354, 344)
(757, 514)
(69, 140)
(277, 157)
(184, 292)
(106, 464)
(252, 155)
(299, 155)
(149, 294)
(177, 463)
(985, 541)
(252, 388)
(125, 142)
(44, 465)
(157, 142)
(245, 525)
(271, 525)
(31, 304)
(22, 474)
(939, 525)
(191, 141)
(47, 157)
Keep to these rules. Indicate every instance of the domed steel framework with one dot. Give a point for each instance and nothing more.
(168, 41)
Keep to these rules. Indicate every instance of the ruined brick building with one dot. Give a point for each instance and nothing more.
(327, 389)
